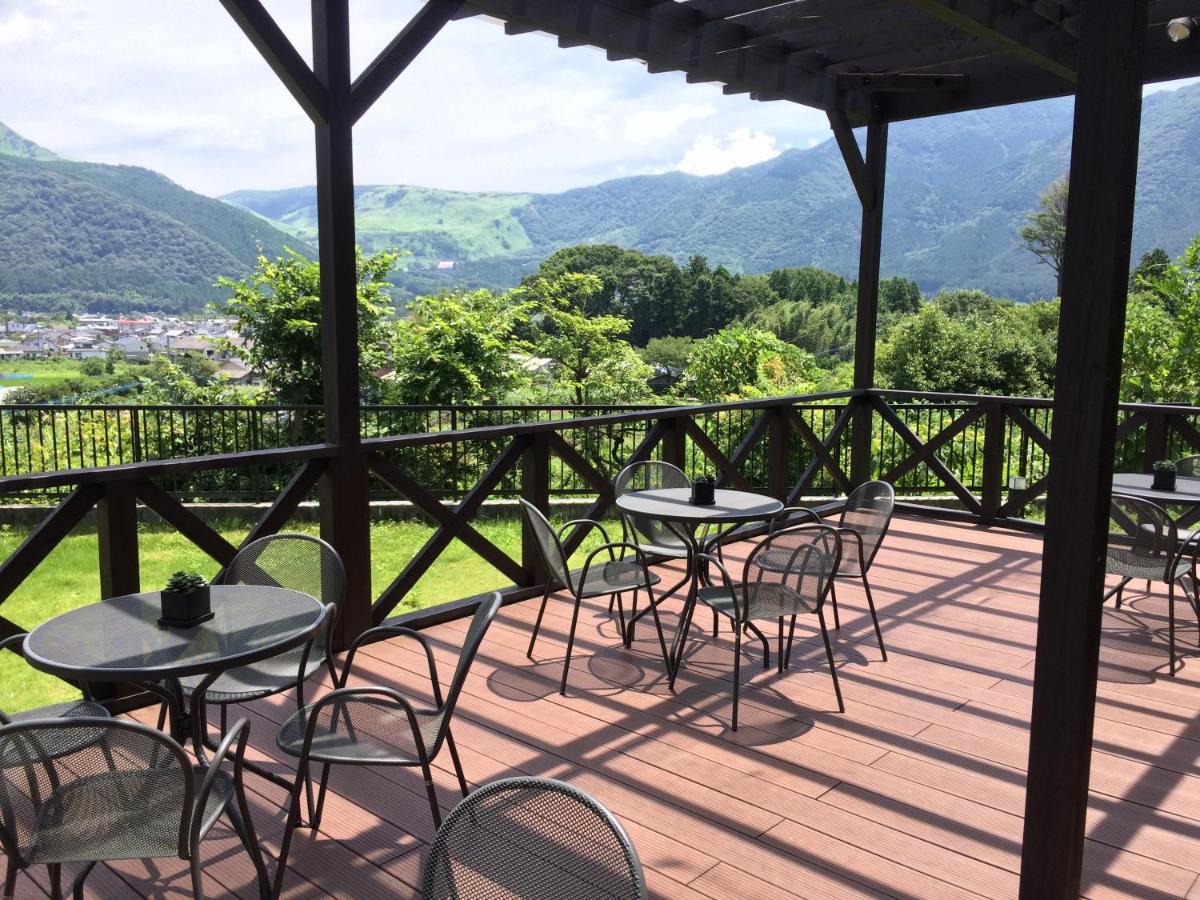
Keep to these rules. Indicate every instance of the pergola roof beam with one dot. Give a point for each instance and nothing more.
(1000, 25)
(270, 41)
(399, 54)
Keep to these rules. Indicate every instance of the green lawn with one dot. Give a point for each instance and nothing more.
(69, 578)
(40, 370)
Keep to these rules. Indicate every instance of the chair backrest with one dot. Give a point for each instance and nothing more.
(549, 547)
(1188, 466)
(532, 837)
(298, 562)
(791, 571)
(648, 476)
(868, 511)
(485, 613)
(1142, 538)
(115, 770)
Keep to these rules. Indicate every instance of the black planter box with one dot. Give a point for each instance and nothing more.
(185, 609)
(1164, 480)
(704, 493)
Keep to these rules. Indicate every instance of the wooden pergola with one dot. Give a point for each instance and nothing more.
(864, 62)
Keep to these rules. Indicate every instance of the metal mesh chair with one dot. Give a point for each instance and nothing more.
(377, 725)
(532, 838)
(85, 707)
(126, 791)
(863, 524)
(1143, 542)
(787, 575)
(599, 577)
(298, 562)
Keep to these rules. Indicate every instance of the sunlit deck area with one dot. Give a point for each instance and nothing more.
(916, 791)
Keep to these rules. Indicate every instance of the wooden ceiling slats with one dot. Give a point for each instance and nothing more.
(1010, 51)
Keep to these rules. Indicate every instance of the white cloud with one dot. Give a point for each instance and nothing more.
(18, 27)
(712, 155)
(653, 125)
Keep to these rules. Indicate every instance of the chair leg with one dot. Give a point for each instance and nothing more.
(197, 879)
(537, 625)
(620, 614)
(239, 816)
(316, 810)
(837, 622)
(10, 879)
(628, 626)
(289, 826)
(662, 641)
(716, 624)
(750, 626)
(562, 688)
(837, 688)
(434, 809)
(1120, 591)
(458, 769)
(77, 884)
(54, 870)
(874, 617)
(1171, 625)
(737, 668)
(780, 653)
(162, 716)
(787, 659)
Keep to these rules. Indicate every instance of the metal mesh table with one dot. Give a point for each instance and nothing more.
(674, 505)
(120, 640)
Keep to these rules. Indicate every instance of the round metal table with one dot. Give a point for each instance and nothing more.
(1186, 493)
(675, 505)
(120, 640)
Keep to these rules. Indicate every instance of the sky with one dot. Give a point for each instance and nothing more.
(174, 86)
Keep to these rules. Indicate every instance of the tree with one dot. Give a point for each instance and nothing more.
(899, 296)
(592, 362)
(92, 368)
(1045, 235)
(457, 347)
(1153, 263)
(672, 352)
(739, 362)
(1162, 334)
(278, 313)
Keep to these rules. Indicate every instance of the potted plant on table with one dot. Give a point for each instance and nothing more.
(1164, 475)
(185, 601)
(704, 491)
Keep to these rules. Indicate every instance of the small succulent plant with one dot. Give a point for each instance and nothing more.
(184, 582)
(1165, 465)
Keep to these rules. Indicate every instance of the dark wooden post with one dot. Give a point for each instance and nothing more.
(535, 489)
(869, 177)
(1156, 439)
(778, 453)
(674, 445)
(116, 528)
(1087, 381)
(344, 501)
(993, 460)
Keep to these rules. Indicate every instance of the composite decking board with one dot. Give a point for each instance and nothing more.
(916, 791)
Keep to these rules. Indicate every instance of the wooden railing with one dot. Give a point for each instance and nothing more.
(972, 450)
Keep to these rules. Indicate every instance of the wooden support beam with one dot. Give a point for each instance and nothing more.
(899, 82)
(186, 522)
(867, 315)
(116, 524)
(999, 25)
(270, 41)
(399, 54)
(1087, 383)
(856, 166)
(48, 534)
(535, 489)
(345, 507)
(292, 495)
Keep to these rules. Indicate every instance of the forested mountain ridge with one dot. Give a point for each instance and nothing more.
(115, 238)
(958, 190)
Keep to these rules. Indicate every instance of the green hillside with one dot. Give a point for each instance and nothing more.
(958, 190)
(115, 238)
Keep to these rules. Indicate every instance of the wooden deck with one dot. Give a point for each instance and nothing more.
(916, 791)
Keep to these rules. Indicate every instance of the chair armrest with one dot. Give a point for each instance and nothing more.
(1189, 547)
(348, 695)
(239, 734)
(780, 518)
(591, 522)
(638, 553)
(378, 633)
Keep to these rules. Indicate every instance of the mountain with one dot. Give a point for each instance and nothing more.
(958, 190)
(116, 238)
